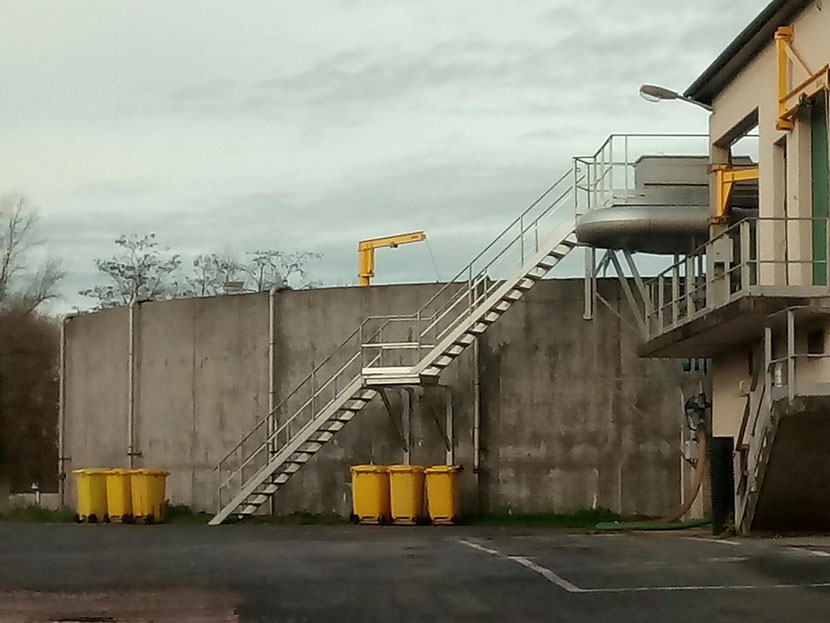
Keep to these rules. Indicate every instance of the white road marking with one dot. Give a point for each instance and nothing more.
(480, 548)
(573, 588)
(812, 552)
(700, 538)
(546, 573)
(726, 587)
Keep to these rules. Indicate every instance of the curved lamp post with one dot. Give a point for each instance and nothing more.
(653, 93)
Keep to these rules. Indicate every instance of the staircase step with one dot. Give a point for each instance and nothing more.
(332, 426)
(323, 436)
(490, 317)
(331, 417)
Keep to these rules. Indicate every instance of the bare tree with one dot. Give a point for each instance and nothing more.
(211, 271)
(275, 269)
(140, 270)
(21, 285)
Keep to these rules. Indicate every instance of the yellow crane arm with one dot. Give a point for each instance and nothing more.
(366, 252)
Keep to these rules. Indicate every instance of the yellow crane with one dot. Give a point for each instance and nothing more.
(366, 253)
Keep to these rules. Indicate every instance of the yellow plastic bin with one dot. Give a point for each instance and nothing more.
(370, 493)
(406, 492)
(148, 495)
(91, 487)
(119, 497)
(443, 500)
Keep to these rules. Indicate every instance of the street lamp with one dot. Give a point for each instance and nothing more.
(653, 93)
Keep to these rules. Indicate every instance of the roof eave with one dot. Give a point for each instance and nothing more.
(738, 54)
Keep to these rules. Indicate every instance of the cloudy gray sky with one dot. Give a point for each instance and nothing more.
(310, 125)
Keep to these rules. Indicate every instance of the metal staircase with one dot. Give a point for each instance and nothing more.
(397, 350)
(752, 454)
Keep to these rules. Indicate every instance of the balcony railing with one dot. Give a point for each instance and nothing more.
(757, 256)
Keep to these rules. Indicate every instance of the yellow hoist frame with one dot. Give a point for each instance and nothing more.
(366, 253)
(726, 177)
(790, 100)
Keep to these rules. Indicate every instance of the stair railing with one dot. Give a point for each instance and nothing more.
(402, 340)
(397, 340)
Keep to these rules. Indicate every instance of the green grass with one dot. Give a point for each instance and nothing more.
(183, 514)
(35, 514)
(586, 518)
(297, 519)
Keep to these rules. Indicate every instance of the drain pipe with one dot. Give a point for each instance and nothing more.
(272, 381)
(131, 383)
(62, 413)
(476, 413)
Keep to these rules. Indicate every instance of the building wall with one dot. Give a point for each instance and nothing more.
(570, 416)
(785, 190)
(730, 369)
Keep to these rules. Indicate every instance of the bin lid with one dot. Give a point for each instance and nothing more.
(443, 469)
(117, 472)
(86, 471)
(368, 469)
(150, 472)
(406, 469)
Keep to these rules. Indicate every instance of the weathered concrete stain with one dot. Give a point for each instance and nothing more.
(570, 416)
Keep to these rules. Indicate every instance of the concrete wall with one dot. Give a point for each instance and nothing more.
(571, 418)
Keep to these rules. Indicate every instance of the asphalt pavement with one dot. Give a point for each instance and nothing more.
(65, 572)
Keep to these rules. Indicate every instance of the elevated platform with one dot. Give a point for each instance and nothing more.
(725, 327)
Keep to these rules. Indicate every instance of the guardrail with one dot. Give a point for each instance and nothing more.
(753, 256)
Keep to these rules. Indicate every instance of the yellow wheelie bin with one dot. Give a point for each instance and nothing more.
(443, 500)
(148, 495)
(406, 493)
(91, 488)
(119, 495)
(370, 494)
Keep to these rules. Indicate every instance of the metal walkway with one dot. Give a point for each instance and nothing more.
(397, 350)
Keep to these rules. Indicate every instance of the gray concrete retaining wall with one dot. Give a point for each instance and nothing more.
(571, 417)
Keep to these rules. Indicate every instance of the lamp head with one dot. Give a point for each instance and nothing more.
(653, 93)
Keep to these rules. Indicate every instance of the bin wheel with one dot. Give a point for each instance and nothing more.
(107, 519)
(353, 518)
(92, 518)
(78, 518)
(127, 519)
(149, 519)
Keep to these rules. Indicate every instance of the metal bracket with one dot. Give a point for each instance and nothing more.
(446, 428)
(791, 100)
(399, 427)
(726, 176)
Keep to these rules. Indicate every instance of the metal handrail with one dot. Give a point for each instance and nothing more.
(352, 349)
(473, 280)
(690, 277)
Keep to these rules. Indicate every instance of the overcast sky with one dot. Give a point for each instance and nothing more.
(310, 125)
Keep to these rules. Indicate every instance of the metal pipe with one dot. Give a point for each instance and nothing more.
(272, 382)
(131, 383)
(62, 414)
(476, 412)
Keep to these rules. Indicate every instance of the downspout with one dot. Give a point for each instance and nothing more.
(62, 413)
(476, 415)
(131, 383)
(272, 381)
